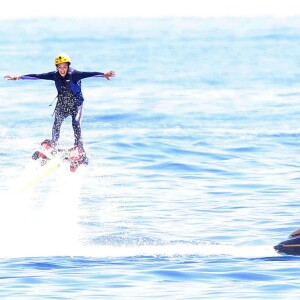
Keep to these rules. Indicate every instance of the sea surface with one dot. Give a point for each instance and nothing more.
(194, 171)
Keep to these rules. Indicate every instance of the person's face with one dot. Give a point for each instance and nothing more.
(63, 69)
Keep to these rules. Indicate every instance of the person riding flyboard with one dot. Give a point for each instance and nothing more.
(69, 103)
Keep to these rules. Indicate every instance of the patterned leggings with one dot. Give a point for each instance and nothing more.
(60, 116)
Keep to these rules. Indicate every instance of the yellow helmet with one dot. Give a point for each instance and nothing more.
(62, 58)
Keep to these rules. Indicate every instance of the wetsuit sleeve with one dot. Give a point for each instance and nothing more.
(78, 75)
(45, 76)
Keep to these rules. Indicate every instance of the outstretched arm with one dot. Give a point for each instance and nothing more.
(46, 76)
(78, 75)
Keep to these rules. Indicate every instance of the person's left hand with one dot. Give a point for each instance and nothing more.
(109, 74)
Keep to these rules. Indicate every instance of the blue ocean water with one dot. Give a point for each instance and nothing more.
(194, 167)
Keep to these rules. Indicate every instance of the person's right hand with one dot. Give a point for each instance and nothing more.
(10, 77)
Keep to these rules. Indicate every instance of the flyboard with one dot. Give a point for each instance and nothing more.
(49, 159)
(291, 246)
